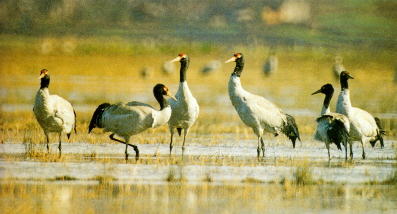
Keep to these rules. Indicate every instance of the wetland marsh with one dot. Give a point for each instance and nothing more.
(219, 172)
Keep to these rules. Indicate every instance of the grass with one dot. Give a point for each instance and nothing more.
(392, 179)
(303, 176)
(79, 77)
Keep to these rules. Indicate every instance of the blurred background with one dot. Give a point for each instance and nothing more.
(369, 23)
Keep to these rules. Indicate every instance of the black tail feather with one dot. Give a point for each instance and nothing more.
(95, 120)
(338, 134)
(290, 129)
(179, 131)
(381, 132)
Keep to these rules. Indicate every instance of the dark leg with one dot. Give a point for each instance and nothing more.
(345, 143)
(258, 149)
(351, 149)
(172, 137)
(60, 144)
(184, 138)
(127, 144)
(47, 139)
(126, 152)
(263, 147)
(362, 146)
(136, 151)
(329, 154)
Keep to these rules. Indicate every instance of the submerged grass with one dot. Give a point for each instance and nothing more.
(303, 176)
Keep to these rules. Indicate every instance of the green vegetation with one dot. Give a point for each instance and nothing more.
(329, 23)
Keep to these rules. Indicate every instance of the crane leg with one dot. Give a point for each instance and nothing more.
(126, 144)
(263, 147)
(351, 149)
(258, 149)
(329, 154)
(172, 137)
(185, 131)
(48, 141)
(60, 144)
(362, 146)
(126, 152)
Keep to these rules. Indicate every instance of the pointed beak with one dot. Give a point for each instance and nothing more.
(233, 59)
(177, 59)
(350, 77)
(316, 92)
(41, 76)
(170, 95)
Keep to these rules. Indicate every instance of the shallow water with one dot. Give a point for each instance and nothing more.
(64, 197)
(224, 162)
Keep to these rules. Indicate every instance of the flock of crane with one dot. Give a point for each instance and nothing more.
(348, 124)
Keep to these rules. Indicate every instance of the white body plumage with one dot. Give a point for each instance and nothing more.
(53, 113)
(363, 126)
(185, 108)
(127, 119)
(255, 111)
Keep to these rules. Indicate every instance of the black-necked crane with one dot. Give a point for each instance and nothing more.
(211, 67)
(146, 72)
(127, 119)
(185, 109)
(271, 64)
(168, 68)
(331, 127)
(54, 113)
(363, 126)
(257, 112)
(338, 67)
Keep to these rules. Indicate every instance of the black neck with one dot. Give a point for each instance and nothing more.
(182, 71)
(162, 101)
(239, 67)
(344, 83)
(327, 99)
(45, 82)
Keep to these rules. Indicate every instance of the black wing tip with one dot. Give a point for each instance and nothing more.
(179, 131)
(291, 130)
(381, 132)
(338, 134)
(380, 127)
